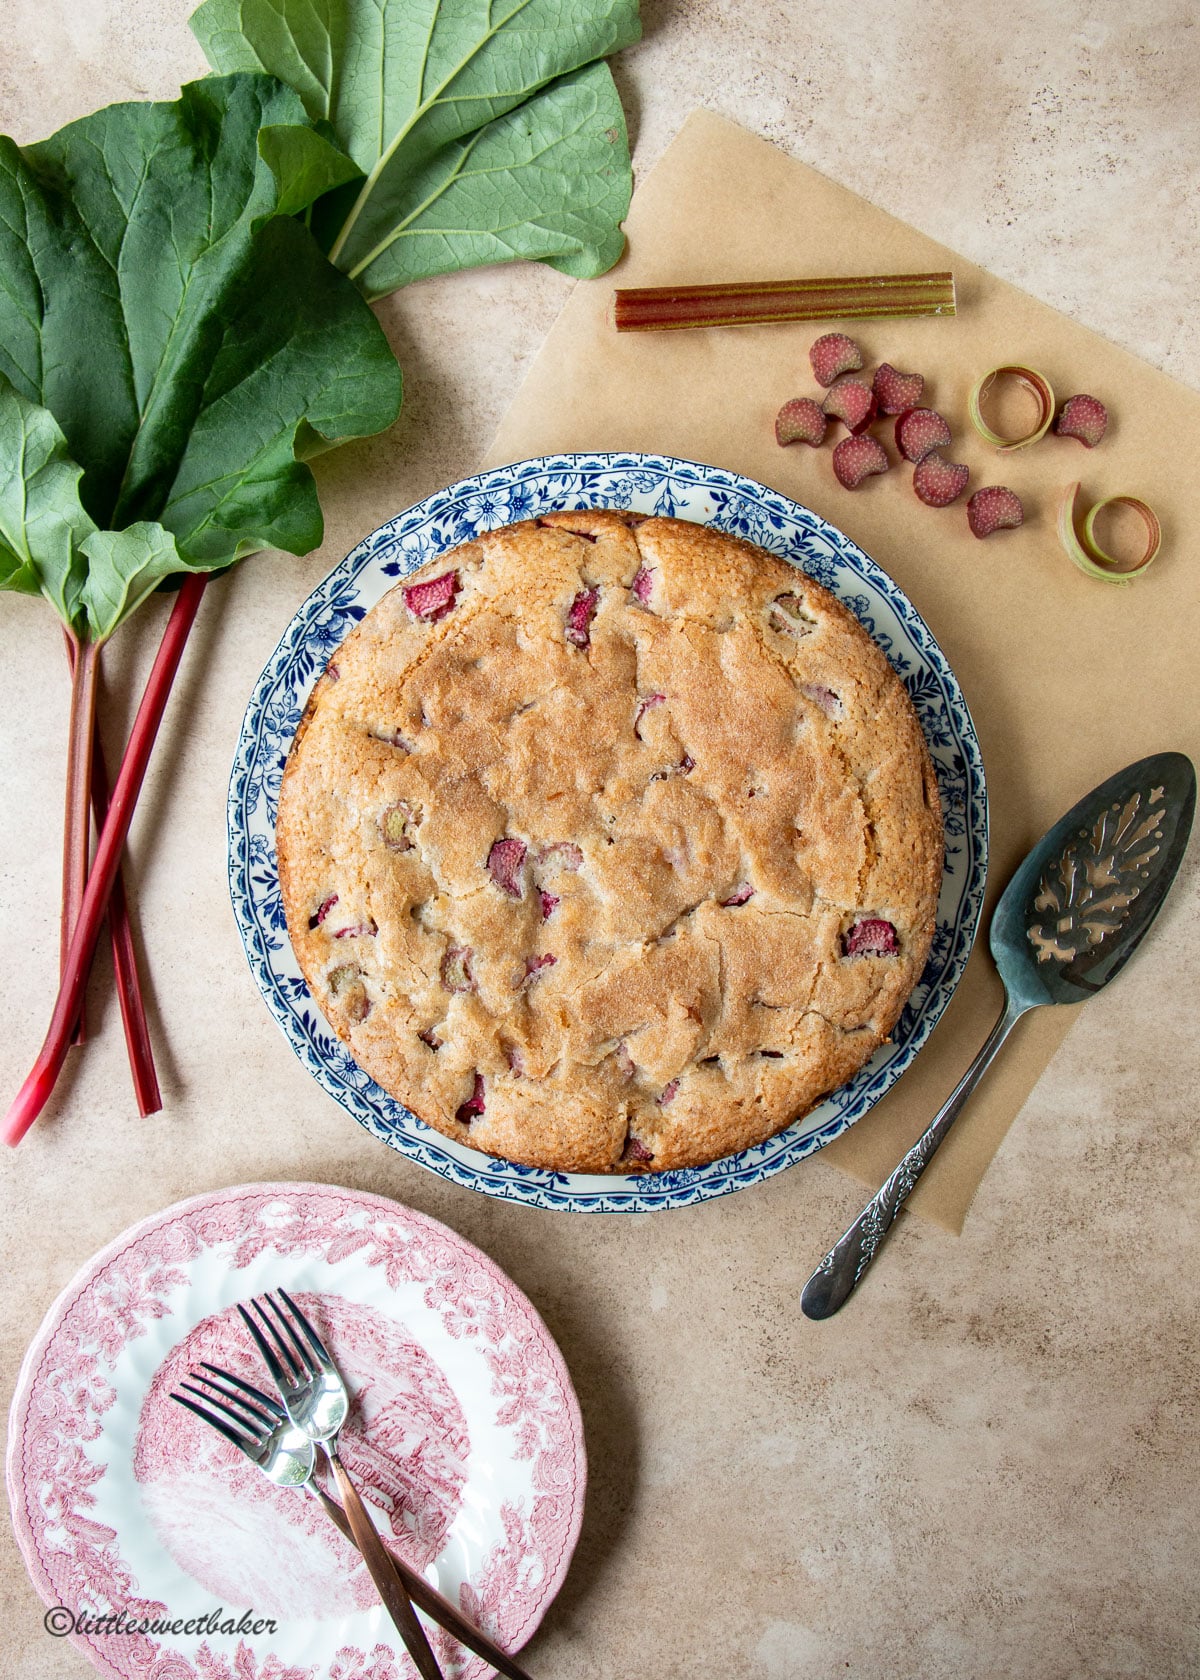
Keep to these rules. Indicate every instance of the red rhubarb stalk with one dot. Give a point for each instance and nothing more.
(763, 302)
(125, 963)
(35, 1092)
(77, 823)
(124, 952)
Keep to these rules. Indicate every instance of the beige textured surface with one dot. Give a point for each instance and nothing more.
(987, 1464)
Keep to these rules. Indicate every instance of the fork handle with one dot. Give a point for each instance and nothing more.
(429, 1599)
(379, 1563)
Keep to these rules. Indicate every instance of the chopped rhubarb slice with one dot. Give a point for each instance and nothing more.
(561, 854)
(431, 1038)
(643, 707)
(994, 508)
(504, 866)
(833, 354)
(896, 391)
(872, 937)
(392, 738)
(579, 618)
(322, 910)
(636, 1150)
(787, 615)
(346, 987)
(393, 825)
(456, 969)
(829, 702)
(851, 402)
(473, 1107)
(800, 421)
(686, 764)
(856, 458)
(668, 1092)
(433, 599)
(533, 969)
(938, 482)
(1085, 418)
(642, 586)
(549, 903)
(625, 1062)
(358, 930)
(742, 894)
(920, 431)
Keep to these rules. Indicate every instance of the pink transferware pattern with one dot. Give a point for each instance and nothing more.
(464, 1436)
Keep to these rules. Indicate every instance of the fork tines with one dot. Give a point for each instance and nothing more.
(253, 1419)
(290, 1345)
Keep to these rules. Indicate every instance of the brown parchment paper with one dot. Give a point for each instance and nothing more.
(1067, 678)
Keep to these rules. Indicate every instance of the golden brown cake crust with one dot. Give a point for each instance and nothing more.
(595, 837)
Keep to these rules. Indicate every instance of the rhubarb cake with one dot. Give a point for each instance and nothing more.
(610, 843)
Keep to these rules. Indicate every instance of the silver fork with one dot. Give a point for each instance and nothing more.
(256, 1424)
(317, 1401)
(259, 1427)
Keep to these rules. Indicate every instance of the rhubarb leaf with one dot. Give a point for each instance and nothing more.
(547, 181)
(123, 568)
(305, 164)
(484, 131)
(42, 522)
(159, 297)
(48, 544)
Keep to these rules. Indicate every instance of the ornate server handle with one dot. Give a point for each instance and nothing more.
(838, 1273)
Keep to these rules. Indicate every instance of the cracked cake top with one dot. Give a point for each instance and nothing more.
(610, 844)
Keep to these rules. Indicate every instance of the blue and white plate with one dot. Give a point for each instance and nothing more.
(646, 484)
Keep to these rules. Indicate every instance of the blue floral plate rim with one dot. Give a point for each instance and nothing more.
(645, 483)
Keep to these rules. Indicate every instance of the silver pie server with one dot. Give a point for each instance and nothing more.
(1068, 921)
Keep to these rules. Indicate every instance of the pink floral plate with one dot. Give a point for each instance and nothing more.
(464, 1436)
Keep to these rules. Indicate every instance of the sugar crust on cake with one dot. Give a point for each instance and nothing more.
(585, 834)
